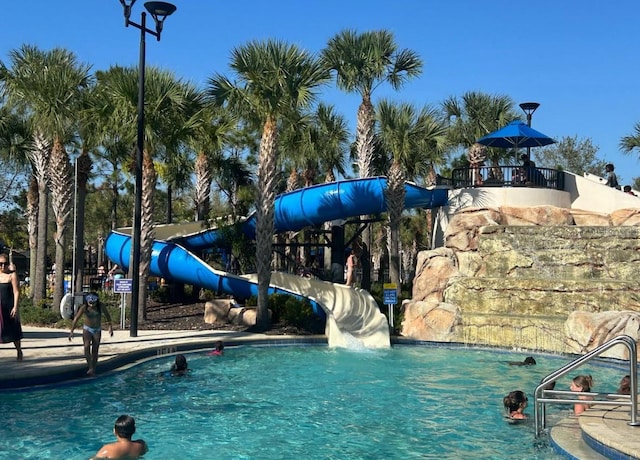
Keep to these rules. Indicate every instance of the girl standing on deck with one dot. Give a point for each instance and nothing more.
(92, 328)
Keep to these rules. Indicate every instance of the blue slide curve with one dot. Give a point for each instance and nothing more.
(174, 260)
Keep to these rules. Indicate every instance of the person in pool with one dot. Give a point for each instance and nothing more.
(582, 383)
(124, 448)
(528, 361)
(515, 404)
(180, 366)
(218, 350)
(625, 386)
(92, 311)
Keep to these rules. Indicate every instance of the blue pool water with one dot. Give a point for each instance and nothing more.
(294, 403)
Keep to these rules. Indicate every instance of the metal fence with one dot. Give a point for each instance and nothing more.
(506, 176)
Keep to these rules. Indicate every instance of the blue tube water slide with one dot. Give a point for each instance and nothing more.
(174, 260)
(175, 263)
(321, 203)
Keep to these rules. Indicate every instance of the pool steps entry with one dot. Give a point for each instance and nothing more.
(544, 396)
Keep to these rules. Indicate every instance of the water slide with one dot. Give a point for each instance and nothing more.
(351, 313)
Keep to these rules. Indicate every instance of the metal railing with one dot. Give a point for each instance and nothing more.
(507, 176)
(543, 395)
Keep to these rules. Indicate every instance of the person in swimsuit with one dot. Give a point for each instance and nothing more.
(219, 350)
(10, 327)
(351, 266)
(582, 383)
(92, 328)
(124, 447)
(514, 405)
(625, 386)
(180, 366)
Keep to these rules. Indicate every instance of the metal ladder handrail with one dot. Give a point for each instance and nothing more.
(541, 390)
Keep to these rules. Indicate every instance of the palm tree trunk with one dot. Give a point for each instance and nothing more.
(62, 196)
(39, 158)
(365, 136)
(395, 203)
(147, 232)
(264, 218)
(169, 206)
(114, 199)
(203, 187)
(379, 252)
(293, 183)
(32, 226)
(83, 169)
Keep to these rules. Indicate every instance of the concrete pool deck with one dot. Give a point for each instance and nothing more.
(50, 358)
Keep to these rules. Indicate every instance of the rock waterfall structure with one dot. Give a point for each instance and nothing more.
(544, 278)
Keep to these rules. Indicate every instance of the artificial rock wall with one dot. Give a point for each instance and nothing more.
(541, 278)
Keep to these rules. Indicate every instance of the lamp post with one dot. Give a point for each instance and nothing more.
(159, 11)
(528, 108)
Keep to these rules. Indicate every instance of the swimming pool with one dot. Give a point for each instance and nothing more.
(296, 402)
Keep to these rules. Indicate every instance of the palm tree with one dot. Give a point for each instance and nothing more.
(331, 141)
(166, 102)
(275, 80)
(212, 126)
(37, 196)
(415, 140)
(475, 114)
(176, 161)
(234, 177)
(89, 136)
(629, 143)
(15, 142)
(48, 85)
(362, 62)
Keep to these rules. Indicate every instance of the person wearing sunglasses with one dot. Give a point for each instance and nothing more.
(10, 327)
(92, 311)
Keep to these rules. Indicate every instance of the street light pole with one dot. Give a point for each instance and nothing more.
(159, 11)
(528, 108)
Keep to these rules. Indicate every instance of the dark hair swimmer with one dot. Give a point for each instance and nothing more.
(528, 361)
(180, 367)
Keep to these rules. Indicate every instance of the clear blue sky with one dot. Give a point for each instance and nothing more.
(579, 59)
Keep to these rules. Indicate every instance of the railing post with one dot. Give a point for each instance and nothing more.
(538, 407)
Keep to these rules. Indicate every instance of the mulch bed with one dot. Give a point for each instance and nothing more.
(190, 317)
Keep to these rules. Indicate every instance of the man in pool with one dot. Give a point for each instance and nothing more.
(124, 448)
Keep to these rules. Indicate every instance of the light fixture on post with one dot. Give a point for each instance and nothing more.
(159, 11)
(528, 108)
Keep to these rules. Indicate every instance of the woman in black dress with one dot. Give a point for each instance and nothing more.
(10, 328)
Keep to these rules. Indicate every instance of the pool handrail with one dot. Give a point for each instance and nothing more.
(540, 393)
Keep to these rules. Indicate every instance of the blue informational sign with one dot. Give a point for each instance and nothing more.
(390, 294)
(123, 286)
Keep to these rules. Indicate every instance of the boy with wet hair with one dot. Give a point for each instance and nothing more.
(124, 448)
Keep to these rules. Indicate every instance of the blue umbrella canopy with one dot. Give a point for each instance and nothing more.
(514, 136)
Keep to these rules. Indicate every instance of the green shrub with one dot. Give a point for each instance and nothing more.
(44, 316)
(293, 312)
(38, 316)
(161, 295)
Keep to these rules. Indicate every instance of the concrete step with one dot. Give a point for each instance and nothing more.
(566, 438)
